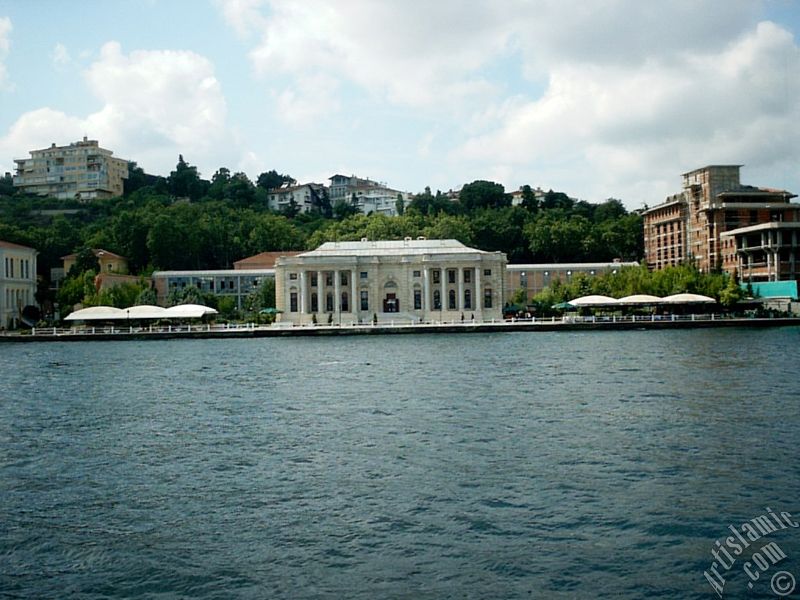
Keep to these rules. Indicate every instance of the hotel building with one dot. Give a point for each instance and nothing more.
(17, 282)
(718, 223)
(410, 279)
(83, 170)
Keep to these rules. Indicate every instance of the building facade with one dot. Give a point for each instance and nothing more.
(236, 284)
(412, 279)
(689, 226)
(533, 278)
(305, 197)
(83, 170)
(366, 195)
(762, 253)
(17, 282)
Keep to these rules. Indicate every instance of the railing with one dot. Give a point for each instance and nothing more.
(121, 330)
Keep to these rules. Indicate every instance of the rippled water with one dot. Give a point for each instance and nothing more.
(523, 465)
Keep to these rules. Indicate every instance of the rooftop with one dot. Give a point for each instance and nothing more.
(12, 246)
(404, 247)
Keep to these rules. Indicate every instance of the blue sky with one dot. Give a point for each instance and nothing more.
(599, 99)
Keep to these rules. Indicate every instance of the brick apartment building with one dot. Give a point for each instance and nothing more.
(718, 223)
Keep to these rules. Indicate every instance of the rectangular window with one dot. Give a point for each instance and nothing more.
(363, 275)
(417, 273)
(293, 302)
(523, 279)
(436, 276)
(364, 300)
(487, 272)
(313, 280)
(417, 299)
(451, 275)
(293, 276)
(329, 279)
(487, 298)
(467, 275)
(343, 277)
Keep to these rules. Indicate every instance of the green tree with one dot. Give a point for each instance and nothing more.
(400, 205)
(272, 180)
(483, 194)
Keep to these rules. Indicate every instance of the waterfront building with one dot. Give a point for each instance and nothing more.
(82, 170)
(711, 224)
(304, 197)
(234, 283)
(410, 279)
(533, 278)
(17, 282)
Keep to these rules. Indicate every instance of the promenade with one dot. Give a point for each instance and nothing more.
(251, 330)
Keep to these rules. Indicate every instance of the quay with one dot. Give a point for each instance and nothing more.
(251, 330)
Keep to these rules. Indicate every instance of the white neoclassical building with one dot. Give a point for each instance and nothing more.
(410, 279)
(17, 282)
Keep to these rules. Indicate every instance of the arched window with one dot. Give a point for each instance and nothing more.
(437, 300)
(329, 302)
(417, 298)
(467, 297)
(314, 302)
(293, 300)
(345, 305)
(451, 300)
(487, 298)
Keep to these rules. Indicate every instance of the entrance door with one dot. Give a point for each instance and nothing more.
(391, 304)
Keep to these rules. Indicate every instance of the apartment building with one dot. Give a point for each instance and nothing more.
(82, 170)
(712, 217)
(305, 197)
(366, 195)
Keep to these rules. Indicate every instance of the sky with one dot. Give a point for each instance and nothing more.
(595, 98)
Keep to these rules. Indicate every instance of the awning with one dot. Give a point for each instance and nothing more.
(687, 299)
(594, 300)
(96, 313)
(640, 299)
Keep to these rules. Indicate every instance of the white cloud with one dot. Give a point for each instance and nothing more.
(634, 92)
(629, 129)
(155, 105)
(5, 46)
(60, 55)
(244, 16)
(310, 97)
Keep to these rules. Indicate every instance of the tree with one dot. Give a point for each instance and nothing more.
(343, 209)
(272, 180)
(185, 182)
(400, 205)
(85, 260)
(483, 194)
(219, 182)
(529, 201)
(553, 239)
(240, 191)
(262, 297)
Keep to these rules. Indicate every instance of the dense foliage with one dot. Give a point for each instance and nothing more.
(185, 222)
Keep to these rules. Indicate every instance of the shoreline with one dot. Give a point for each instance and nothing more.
(252, 331)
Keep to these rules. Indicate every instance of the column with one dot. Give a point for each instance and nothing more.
(302, 292)
(460, 282)
(353, 291)
(443, 288)
(426, 296)
(478, 301)
(320, 293)
(336, 291)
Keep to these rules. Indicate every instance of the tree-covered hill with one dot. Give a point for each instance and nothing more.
(185, 222)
